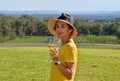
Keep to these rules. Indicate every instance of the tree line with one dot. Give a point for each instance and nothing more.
(26, 25)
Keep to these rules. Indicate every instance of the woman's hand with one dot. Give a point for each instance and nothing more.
(54, 54)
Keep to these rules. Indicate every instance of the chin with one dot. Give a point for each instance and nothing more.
(60, 36)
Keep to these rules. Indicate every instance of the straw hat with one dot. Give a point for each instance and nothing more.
(64, 18)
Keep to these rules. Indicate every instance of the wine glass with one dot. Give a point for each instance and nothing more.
(52, 44)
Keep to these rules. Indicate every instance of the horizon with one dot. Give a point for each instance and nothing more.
(117, 13)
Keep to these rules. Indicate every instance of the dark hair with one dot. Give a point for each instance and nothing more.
(70, 27)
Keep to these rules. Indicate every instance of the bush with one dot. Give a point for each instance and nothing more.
(3, 39)
(118, 34)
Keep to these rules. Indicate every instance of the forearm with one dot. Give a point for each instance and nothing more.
(65, 71)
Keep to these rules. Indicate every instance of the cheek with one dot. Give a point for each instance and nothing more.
(67, 32)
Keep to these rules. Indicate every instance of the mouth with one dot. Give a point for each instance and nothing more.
(60, 33)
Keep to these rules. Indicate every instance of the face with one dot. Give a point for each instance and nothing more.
(62, 29)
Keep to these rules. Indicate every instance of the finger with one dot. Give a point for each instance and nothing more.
(55, 50)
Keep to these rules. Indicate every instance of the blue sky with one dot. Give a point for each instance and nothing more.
(62, 5)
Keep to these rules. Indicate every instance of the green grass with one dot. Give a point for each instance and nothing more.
(97, 39)
(34, 39)
(30, 64)
(78, 39)
(98, 65)
(24, 64)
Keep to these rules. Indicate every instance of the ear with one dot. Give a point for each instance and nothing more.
(71, 30)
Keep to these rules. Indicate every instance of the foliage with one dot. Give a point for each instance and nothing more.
(26, 25)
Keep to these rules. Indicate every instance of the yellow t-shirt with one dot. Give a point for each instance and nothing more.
(67, 53)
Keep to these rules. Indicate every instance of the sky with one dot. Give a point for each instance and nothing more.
(61, 5)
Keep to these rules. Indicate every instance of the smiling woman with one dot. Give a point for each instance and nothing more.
(64, 61)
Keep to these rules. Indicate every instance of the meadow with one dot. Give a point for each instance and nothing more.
(31, 64)
(79, 39)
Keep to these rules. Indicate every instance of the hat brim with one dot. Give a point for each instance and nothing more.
(51, 25)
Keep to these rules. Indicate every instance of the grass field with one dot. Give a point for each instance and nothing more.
(30, 64)
(79, 39)
(28, 39)
(97, 39)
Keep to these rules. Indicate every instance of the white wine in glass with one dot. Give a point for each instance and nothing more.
(53, 44)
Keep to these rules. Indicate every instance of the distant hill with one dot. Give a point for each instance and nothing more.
(56, 13)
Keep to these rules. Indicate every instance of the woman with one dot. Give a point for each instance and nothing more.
(64, 61)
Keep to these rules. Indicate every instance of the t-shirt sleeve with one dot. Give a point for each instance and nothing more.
(70, 54)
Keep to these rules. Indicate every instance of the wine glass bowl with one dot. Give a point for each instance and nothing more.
(53, 40)
(52, 47)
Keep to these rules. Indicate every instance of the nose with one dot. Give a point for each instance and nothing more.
(58, 29)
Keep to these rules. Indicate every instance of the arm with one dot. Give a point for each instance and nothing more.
(67, 69)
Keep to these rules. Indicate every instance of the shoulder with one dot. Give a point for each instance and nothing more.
(70, 46)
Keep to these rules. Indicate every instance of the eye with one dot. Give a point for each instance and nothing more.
(56, 26)
(63, 26)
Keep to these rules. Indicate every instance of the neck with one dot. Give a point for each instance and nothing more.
(66, 40)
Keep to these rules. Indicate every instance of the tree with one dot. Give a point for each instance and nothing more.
(118, 34)
(42, 28)
(117, 26)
